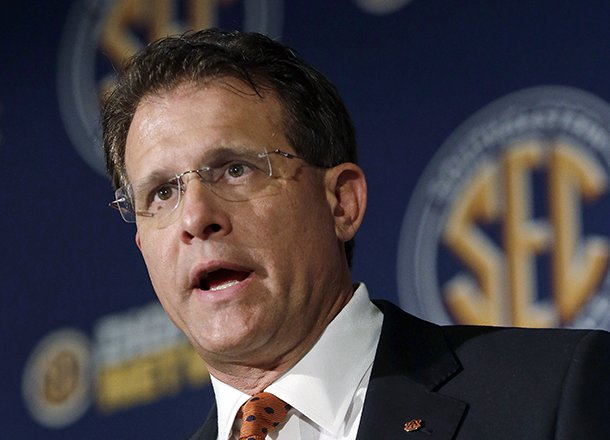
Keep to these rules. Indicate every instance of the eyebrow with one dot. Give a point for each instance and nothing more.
(162, 175)
(239, 149)
(153, 178)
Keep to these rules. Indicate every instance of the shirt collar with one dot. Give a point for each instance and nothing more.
(320, 393)
(228, 402)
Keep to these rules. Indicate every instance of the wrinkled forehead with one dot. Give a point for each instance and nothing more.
(181, 126)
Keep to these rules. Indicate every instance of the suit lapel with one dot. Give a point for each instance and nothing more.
(411, 362)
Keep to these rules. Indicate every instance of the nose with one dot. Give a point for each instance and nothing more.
(202, 213)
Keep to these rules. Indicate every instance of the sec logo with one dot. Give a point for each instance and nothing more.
(99, 35)
(509, 223)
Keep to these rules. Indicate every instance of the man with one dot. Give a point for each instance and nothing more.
(237, 162)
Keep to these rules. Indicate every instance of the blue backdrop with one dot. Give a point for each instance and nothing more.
(482, 128)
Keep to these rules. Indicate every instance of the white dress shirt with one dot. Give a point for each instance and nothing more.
(326, 388)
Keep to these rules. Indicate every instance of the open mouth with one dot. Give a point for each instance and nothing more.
(222, 279)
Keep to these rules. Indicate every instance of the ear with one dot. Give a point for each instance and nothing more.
(138, 242)
(346, 192)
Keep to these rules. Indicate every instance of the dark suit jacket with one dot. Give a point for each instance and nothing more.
(482, 383)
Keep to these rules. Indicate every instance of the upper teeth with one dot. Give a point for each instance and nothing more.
(225, 285)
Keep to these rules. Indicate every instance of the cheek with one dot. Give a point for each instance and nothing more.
(158, 261)
(292, 225)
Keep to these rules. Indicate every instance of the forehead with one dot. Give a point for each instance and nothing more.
(177, 127)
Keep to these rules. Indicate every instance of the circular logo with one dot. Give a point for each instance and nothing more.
(508, 224)
(57, 378)
(100, 35)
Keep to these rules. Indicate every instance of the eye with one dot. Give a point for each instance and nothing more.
(236, 170)
(239, 171)
(165, 192)
(162, 195)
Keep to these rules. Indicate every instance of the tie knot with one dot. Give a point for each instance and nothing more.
(260, 415)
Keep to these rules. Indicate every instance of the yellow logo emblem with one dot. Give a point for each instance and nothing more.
(510, 213)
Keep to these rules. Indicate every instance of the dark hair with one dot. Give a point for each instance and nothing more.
(315, 120)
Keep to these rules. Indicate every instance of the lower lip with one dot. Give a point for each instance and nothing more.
(220, 295)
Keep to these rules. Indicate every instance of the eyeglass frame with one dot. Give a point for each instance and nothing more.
(116, 204)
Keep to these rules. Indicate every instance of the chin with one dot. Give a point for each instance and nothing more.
(225, 344)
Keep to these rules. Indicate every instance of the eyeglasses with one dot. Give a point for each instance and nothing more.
(231, 175)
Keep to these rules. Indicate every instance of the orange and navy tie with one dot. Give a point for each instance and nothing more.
(261, 414)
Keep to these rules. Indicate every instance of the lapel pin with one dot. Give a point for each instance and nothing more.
(414, 425)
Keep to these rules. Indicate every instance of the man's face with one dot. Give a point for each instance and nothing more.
(246, 281)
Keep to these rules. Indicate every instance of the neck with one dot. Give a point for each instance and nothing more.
(249, 380)
(255, 376)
